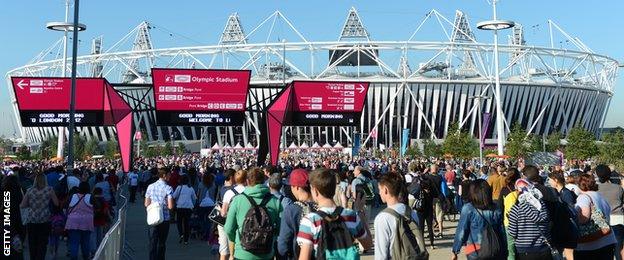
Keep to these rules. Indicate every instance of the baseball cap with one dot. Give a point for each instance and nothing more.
(299, 178)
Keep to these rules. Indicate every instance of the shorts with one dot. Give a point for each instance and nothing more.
(438, 210)
(224, 247)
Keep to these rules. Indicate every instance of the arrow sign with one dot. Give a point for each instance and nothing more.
(21, 84)
(361, 89)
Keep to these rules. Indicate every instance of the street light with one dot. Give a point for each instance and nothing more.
(478, 98)
(64, 27)
(495, 25)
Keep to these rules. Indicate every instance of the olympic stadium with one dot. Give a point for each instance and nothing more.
(421, 85)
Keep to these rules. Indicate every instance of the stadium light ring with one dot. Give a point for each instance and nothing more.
(495, 25)
(65, 26)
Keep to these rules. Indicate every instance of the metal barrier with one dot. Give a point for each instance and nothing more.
(113, 244)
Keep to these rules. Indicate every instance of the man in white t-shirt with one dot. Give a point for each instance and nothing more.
(133, 184)
(72, 181)
(240, 178)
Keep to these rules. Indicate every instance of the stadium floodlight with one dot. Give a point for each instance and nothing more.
(496, 25)
(64, 26)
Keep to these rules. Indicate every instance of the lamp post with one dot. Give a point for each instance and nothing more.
(495, 25)
(478, 99)
(64, 27)
(74, 27)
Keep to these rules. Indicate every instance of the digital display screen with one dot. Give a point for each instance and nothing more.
(56, 118)
(200, 97)
(326, 119)
(45, 101)
(314, 96)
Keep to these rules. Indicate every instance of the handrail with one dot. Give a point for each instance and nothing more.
(112, 245)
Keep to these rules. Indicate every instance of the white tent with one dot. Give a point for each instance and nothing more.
(338, 146)
(238, 146)
(293, 146)
(327, 146)
(216, 147)
(304, 146)
(316, 145)
(249, 147)
(227, 147)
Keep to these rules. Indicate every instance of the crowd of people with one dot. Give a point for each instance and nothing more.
(329, 206)
(49, 206)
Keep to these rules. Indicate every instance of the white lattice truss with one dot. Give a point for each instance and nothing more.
(543, 88)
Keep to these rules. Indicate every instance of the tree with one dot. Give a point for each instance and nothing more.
(612, 149)
(111, 149)
(181, 148)
(92, 147)
(431, 149)
(553, 141)
(23, 153)
(459, 143)
(79, 146)
(536, 143)
(168, 150)
(48, 147)
(412, 152)
(516, 145)
(581, 144)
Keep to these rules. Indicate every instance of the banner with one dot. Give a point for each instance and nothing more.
(356, 144)
(486, 124)
(405, 141)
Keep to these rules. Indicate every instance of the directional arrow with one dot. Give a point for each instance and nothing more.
(361, 88)
(21, 84)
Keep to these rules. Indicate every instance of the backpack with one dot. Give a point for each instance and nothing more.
(408, 241)
(564, 230)
(365, 191)
(258, 229)
(416, 190)
(336, 241)
(491, 246)
(57, 223)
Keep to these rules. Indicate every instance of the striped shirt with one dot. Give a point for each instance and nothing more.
(310, 226)
(529, 226)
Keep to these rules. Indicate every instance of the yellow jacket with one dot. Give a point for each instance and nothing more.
(509, 201)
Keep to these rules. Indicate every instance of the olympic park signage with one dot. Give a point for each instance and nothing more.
(312, 103)
(194, 97)
(44, 102)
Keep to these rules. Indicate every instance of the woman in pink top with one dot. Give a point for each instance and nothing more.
(80, 222)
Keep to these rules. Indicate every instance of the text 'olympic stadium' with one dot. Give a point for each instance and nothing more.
(423, 86)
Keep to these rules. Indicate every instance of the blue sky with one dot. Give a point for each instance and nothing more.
(597, 23)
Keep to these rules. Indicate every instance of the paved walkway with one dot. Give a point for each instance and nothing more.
(137, 238)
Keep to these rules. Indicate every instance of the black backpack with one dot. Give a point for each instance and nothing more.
(564, 230)
(336, 241)
(416, 190)
(258, 228)
(491, 246)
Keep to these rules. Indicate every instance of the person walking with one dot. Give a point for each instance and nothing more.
(255, 196)
(133, 184)
(593, 211)
(614, 194)
(529, 224)
(37, 199)
(387, 221)
(79, 223)
(159, 192)
(185, 199)
(477, 216)
(291, 216)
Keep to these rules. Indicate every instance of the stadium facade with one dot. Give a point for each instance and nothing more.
(423, 86)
